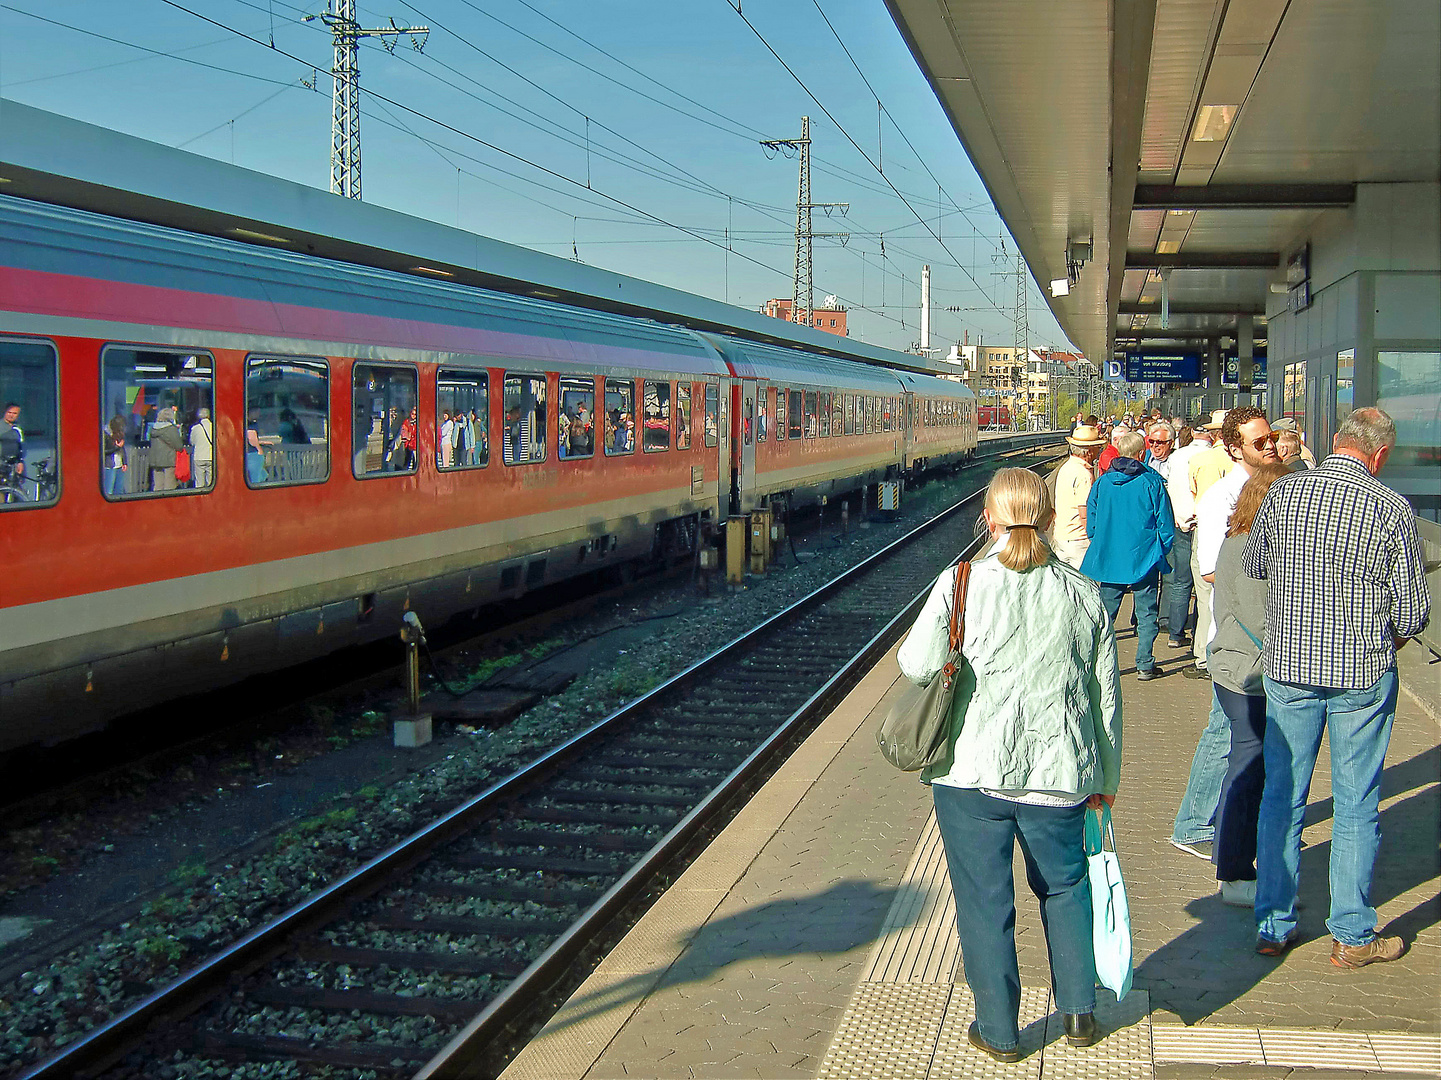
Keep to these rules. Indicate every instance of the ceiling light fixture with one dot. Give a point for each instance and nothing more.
(431, 270)
(251, 234)
(1213, 122)
(1060, 286)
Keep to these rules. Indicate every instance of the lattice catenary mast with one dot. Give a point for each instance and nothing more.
(1023, 327)
(803, 287)
(345, 100)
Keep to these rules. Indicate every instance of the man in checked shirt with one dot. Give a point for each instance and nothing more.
(1346, 587)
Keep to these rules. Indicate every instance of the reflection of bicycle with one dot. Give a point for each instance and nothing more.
(41, 486)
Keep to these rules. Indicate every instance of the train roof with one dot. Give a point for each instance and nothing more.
(934, 386)
(758, 360)
(317, 302)
(55, 159)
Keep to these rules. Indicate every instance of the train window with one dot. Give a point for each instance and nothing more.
(794, 430)
(287, 424)
(682, 416)
(29, 426)
(462, 419)
(810, 414)
(577, 417)
(523, 437)
(873, 414)
(825, 416)
(619, 428)
(849, 410)
(837, 413)
(385, 431)
(655, 416)
(712, 413)
(889, 404)
(159, 403)
(763, 412)
(780, 414)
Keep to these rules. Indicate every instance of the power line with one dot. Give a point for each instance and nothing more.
(237, 116)
(821, 105)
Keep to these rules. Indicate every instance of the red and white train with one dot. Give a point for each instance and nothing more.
(229, 458)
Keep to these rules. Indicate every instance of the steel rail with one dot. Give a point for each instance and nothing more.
(107, 1043)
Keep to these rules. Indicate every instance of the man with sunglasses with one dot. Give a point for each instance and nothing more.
(1249, 441)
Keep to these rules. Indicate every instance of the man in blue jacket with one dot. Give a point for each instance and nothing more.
(1131, 526)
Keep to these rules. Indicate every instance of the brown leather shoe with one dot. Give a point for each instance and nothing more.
(1376, 951)
(973, 1036)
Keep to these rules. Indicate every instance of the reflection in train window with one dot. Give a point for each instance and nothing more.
(29, 427)
(577, 417)
(682, 416)
(462, 419)
(794, 429)
(384, 429)
(837, 413)
(825, 416)
(712, 413)
(780, 414)
(810, 414)
(157, 400)
(763, 413)
(870, 414)
(849, 409)
(619, 416)
(523, 437)
(287, 424)
(655, 416)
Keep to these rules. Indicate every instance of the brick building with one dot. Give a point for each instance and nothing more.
(831, 318)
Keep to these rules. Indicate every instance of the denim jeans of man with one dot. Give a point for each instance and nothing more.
(1202, 637)
(1145, 595)
(1176, 585)
(1240, 803)
(1196, 816)
(1359, 724)
(979, 833)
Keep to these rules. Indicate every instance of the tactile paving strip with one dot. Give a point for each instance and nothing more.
(1297, 1048)
(890, 1030)
(1123, 1052)
(957, 1059)
(918, 942)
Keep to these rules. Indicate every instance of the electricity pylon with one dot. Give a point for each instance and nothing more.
(803, 286)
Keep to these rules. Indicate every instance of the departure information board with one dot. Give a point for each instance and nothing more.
(1162, 367)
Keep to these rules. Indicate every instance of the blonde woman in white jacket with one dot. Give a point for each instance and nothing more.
(1035, 740)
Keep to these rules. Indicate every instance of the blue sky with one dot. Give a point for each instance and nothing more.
(660, 106)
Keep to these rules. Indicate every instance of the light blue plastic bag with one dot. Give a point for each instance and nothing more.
(1110, 914)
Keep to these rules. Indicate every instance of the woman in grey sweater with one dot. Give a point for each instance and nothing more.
(1239, 608)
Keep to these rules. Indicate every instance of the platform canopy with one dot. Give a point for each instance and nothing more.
(1199, 137)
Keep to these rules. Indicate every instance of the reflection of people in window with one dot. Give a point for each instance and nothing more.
(447, 432)
(479, 446)
(761, 422)
(409, 440)
(12, 440)
(165, 440)
(112, 456)
(255, 470)
(292, 430)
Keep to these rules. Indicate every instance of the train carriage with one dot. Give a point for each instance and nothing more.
(237, 458)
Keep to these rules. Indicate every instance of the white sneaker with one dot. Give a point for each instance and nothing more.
(1239, 893)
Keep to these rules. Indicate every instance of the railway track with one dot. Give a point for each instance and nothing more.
(486, 908)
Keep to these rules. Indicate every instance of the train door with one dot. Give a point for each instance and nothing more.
(908, 408)
(726, 487)
(746, 451)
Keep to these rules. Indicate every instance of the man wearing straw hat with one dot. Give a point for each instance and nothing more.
(1073, 485)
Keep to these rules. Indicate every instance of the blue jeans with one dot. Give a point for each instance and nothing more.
(113, 483)
(1236, 813)
(1146, 596)
(979, 833)
(1196, 816)
(1176, 585)
(1359, 723)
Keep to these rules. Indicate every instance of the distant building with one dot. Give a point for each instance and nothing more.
(831, 318)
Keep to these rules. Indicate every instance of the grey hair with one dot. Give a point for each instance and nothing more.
(1367, 430)
(1130, 445)
(1161, 424)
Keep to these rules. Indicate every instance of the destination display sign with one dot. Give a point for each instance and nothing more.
(1162, 367)
(1233, 368)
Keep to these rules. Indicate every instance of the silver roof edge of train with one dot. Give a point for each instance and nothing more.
(53, 158)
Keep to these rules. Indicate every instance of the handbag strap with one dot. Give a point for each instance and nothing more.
(1254, 639)
(958, 605)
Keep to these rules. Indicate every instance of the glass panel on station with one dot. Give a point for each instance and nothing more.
(385, 435)
(1408, 389)
(157, 398)
(287, 412)
(30, 426)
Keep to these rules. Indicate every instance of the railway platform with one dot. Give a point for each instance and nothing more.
(815, 936)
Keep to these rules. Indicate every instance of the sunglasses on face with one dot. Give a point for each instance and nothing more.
(1158, 442)
(1264, 441)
